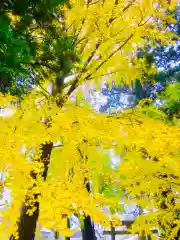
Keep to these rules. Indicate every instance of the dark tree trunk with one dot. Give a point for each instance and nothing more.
(27, 224)
(149, 237)
(139, 91)
(56, 235)
(142, 237)
(88, 232)
(113, 236)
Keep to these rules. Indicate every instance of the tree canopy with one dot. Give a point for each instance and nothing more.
(107, 47)
(80, 156)
(33, 44)
(105, 35)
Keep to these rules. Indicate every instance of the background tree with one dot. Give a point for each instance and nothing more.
(32, 40)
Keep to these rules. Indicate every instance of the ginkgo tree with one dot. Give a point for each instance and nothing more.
(107, 35)
(83, 136)
(33, 45)
(78, 160)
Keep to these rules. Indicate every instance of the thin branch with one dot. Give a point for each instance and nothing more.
(94, 2)
(124, 9)
(110, 56)
(128, 6)
(166, 180)
(112, 18)
(107, 74)
(83, 20)
(80, 40)
(68, 84)
(45, 91)
(42, 64)
(88, 3)
(57, 146)
(142, 24)
(70, 26)
(91, 56)
(44, 95)
(80, 153)
(74, 85)
(110, 21)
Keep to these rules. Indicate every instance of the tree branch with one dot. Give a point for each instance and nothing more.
(166, 180)
(110, 56)
(89, 76)
(124, 9)
(75, 83)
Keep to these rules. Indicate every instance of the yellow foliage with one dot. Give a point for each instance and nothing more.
(84, 135)
(106, 33)
(110, 32)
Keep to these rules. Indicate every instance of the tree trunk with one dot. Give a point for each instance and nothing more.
(142, 237)
(56, 235)
(27, 224)
(149, 237)
(88, 232)
(113, 236)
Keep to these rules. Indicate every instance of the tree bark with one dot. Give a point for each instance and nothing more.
(27, 224)
(88, 232)
(142, 236)
(56, 235)
(113, 236)
(149, 237)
